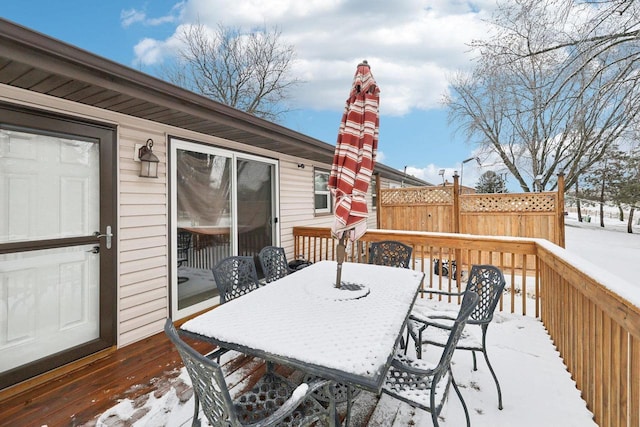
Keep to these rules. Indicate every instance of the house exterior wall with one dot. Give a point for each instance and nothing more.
(142, 232)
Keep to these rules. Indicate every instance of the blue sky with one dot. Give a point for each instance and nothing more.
(413, 47)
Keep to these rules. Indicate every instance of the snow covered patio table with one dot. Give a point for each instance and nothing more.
(304, 322)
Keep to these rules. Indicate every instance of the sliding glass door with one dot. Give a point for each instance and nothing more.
(223, 203)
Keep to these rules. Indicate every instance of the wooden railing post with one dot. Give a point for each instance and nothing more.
(456, 202)
(560, 208)
(378, 209)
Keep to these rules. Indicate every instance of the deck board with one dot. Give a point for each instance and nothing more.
(77, 398)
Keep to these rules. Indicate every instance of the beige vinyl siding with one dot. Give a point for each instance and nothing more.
(297, 202)
(143, 235)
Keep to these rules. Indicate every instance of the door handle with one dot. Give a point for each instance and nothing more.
(108, 234)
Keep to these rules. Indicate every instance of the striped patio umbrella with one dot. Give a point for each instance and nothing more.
(354, 159)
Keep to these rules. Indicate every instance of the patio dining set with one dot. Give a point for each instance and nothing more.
(343, 339)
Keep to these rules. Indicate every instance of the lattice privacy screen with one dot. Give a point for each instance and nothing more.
(529, 202)
(422, 195)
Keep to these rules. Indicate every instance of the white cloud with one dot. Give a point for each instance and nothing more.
(131, 16)
(150, 51)
(412, 45)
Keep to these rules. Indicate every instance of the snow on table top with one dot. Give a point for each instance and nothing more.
(303, 317)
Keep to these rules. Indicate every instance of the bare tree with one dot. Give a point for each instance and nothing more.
(248, 71)
(542, 109)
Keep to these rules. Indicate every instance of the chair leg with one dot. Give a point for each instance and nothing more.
(406, 346)
(403, 344)
(418, 343)
(495, 378)
(196, 410)
(334, 417)
(347, 419)
(475, 362)
(464, 405)
(432, 405)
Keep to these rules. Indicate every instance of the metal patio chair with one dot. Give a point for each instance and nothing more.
(432, 328)
(235, 276)
(273, 400)
(274, 263)
(424, 385)
(390, 253)
(184, 245)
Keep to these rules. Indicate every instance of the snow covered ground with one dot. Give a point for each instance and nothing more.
(611, 247)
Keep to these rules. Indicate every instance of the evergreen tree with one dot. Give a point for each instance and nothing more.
(627, 186)
(490, 182)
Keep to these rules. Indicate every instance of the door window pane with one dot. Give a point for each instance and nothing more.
(49, 187)
(51, 301)
(255, 206)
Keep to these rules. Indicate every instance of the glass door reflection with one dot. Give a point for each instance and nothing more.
(203, 195)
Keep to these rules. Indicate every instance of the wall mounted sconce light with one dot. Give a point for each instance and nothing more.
(301, 165)
(148, 160)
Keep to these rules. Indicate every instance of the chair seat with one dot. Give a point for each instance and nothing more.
(438, 336)
(271, 393)
(442, 318)
(414, 387)
(340, 391)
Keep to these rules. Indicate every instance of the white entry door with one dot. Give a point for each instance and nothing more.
(52, 242)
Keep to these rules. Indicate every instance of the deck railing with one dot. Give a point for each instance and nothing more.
(595, 329)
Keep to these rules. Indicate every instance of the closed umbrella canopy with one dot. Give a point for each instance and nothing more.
(355, 155)
(353, 161)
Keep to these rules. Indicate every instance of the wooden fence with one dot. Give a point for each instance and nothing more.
(444, 209)
(596, 330)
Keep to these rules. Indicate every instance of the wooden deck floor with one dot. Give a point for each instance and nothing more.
(151, 365)
(77, 398)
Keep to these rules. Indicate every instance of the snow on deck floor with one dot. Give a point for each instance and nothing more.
(536, 387)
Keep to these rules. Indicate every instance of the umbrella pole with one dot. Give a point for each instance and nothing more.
(340, 254)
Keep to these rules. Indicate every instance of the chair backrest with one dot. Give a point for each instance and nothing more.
(207, 380)
(390, 253)
(488, 282)
(235, 276)
(273, 262)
